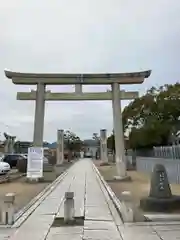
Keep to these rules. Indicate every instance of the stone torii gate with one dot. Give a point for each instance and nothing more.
(113, 79)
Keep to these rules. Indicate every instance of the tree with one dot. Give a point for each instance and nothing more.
(111, 142)
(154, 117)
(96, 138)
(73, 142)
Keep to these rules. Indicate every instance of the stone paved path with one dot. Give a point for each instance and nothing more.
(101, 222)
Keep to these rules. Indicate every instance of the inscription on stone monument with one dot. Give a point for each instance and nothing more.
(161, 181)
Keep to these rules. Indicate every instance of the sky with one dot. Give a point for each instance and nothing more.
(95, 36)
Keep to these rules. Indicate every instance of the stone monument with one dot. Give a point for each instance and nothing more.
(160, 198)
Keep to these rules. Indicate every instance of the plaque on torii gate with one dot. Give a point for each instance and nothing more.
(115, 95)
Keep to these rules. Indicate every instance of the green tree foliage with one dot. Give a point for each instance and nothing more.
(111, 142)
(73, 142)
(96, 137)
(153, 117)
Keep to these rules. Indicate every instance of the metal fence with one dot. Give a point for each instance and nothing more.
(169, 152)
(169, 156)
(146, 165)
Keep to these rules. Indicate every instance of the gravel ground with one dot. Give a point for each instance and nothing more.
(24, 191)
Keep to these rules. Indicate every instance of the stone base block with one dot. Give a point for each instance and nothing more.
(48, 168)
(34, 180)
(104, 164)
(122, 179)
(160, 204)
(130, 167)
(50, 177)
(59, 165)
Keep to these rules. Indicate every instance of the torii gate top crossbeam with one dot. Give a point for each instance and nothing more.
(87, 78)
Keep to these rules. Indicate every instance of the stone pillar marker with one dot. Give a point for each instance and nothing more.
(103, 145)
(39, 116)
(119, 134)
(81, 154)
(7, 212)
(69, 210)
(60, 147)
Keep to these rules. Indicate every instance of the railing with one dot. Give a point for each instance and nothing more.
(166, 152)
(146, 165)
(169, 156)
(169, 152)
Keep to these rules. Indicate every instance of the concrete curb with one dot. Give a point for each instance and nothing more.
(111, 194)
(39, 198)
(24, 213)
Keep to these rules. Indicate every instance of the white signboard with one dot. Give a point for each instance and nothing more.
(35, 162)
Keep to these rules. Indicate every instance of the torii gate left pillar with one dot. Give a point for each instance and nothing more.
(39, 116)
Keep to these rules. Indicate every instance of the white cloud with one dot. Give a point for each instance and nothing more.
(83, 36)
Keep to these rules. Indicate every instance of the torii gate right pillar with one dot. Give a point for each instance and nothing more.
(119, 134)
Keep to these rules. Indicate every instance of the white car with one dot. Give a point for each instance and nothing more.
(4, 168)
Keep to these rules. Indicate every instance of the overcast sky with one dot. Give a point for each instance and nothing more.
(83, 36)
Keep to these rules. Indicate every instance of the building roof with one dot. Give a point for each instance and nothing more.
(90, 142)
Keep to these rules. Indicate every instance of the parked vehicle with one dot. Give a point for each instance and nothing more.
(12, 159)
(4, 168)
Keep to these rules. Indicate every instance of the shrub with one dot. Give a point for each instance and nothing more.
(52, 160)
(22, 165)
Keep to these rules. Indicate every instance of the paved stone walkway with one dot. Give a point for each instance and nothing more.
(102, 221)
